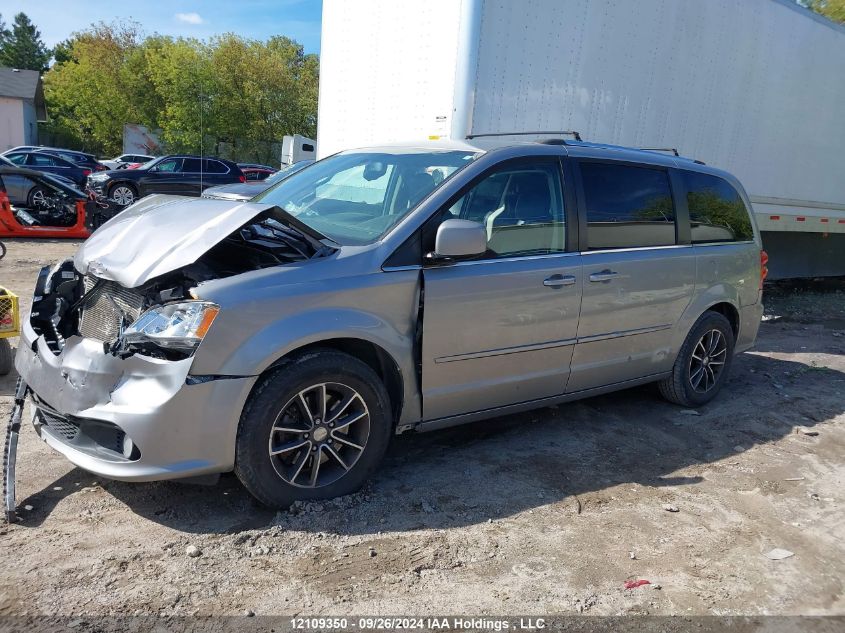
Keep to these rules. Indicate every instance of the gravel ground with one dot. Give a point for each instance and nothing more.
(547, 512)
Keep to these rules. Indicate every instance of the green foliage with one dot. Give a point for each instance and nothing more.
(21, 46)
(203, 96)
(831, 9)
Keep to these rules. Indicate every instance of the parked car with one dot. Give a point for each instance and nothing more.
(38, 204)
(182, 175)
(51, 164)
(79, 158)
(124, 160)
(24, 191)
(253, 171)
(287, 339)
(250, 189)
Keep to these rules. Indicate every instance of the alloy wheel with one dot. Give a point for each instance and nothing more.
(319, 435)
(123, 196)
(707, 361)
(39, 199)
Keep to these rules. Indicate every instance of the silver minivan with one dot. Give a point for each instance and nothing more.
(381, 291)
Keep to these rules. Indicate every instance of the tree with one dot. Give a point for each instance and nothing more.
(22, 46)
(229, 95)
(96, 89)
(4, 32)
(831, 9)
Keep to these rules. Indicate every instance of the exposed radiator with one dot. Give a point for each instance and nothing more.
(101, 317)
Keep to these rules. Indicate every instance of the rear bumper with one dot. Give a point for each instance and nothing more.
(178, 430)
(749, 324)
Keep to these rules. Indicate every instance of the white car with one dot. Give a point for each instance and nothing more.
(126, 159)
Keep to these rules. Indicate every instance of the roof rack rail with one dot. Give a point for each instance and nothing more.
(660, 149)
(569, 132)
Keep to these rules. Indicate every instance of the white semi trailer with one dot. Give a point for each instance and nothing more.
(756, 87)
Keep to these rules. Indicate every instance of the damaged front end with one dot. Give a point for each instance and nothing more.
(108, 347)
(159, 315)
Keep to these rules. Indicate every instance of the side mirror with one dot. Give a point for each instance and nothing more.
(460, 238)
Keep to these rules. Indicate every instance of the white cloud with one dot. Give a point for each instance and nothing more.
(190, 18)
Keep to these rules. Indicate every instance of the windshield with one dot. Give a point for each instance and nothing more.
(357, 197)
(286, 171)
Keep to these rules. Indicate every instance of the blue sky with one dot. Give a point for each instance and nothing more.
(258, 19)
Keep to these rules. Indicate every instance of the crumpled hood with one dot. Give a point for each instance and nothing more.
(159, 234)
(237, 191)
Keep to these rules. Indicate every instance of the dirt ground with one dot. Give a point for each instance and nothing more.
(546, 512)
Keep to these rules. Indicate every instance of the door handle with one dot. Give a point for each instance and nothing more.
(556, 281)
(605, 275)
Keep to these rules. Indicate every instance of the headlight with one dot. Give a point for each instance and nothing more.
(99, 176)
(178, 326)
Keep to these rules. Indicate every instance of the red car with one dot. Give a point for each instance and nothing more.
(58, 210)
(253, 172)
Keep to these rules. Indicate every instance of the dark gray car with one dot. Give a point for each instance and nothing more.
(386, 290)
(250, 189)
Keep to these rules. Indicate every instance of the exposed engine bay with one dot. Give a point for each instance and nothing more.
(68, 303)
(48, 209)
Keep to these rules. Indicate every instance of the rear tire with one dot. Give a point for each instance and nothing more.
(5, 356)
(703, 362)
(316, 428)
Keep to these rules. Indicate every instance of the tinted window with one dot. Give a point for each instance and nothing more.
(627, 206)
(520, 207)
(17, 159)
(307, 147)
(191, 165)
(215, 167)
(43, 160)
(717, 213)
(169, 165)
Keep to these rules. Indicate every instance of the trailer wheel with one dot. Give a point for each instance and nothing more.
(5, 357)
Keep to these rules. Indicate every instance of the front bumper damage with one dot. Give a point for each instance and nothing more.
(132, 419)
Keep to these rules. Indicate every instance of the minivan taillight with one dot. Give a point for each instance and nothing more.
(242, 178)
(764, 270)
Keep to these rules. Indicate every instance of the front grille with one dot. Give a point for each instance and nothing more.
(104, 310)
(60, 424)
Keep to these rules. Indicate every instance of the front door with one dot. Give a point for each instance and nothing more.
(500, 329)
(163, 177)
(638, 278)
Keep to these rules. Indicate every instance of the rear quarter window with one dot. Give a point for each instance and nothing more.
(717, 212)
(627, 206)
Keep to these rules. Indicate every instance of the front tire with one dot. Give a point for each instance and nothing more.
(316, 428)
(703, 362)
(123, 194)
(37, 198)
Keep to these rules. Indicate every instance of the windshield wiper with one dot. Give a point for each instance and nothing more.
(316, 239)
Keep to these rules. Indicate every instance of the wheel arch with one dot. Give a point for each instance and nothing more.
(722, 299)
(730, 312)
(131, 184)
(370, 353)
